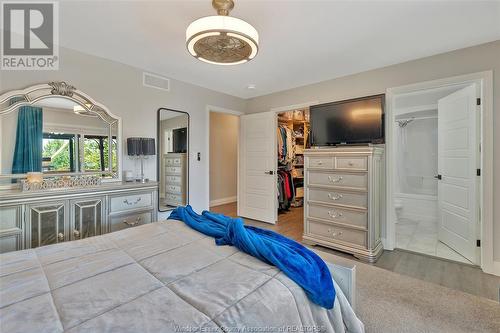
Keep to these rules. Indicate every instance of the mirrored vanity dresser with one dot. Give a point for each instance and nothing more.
(60, 170)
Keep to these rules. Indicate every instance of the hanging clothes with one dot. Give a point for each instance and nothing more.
(286, 145)
(286, 189)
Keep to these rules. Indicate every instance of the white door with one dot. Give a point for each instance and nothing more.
(257, 189)
(457, 167)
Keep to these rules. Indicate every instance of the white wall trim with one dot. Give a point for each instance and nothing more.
(213, 108)
(293, 107)
(485, 81)
(223, 201)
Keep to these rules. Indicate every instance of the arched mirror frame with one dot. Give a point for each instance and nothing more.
(61, 89)
(159, 154)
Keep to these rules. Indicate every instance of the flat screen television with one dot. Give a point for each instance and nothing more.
(179, 140)
(354, 121)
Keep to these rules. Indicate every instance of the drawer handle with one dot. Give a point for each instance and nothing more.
(333, 214)
(76, 233)
(319, 162)
(335, 196)
(60, 236)
(335, 234)
(133, 224)
(335, 180)
(350, 163)
(132, 203)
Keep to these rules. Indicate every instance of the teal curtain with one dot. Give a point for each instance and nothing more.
(29, 140)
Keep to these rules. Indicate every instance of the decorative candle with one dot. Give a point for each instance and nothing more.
(34, 177)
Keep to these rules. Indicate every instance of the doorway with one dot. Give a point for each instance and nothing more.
(293, 139)
(435, 183)
(271, 169)
(223, 168)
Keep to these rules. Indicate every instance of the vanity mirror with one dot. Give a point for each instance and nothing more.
(58, 131)
(173, 158)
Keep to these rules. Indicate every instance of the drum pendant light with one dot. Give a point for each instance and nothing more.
(220, 39)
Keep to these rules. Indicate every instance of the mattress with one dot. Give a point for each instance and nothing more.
(159, 277)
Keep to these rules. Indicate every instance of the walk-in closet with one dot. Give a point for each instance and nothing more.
(292, 138)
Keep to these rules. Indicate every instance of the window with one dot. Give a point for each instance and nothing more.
(61, 150)
(96, 149)
(58, 153)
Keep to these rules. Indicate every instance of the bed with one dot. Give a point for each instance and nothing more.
(159, 277)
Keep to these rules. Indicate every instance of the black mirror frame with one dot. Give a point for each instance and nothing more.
(158, 162)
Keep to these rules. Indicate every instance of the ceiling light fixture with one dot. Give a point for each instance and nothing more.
(220, 39)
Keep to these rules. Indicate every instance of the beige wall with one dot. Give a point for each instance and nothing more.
(465, 61)
(223, 155)
(119, 87)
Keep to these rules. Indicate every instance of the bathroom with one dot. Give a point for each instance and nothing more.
(420, 211)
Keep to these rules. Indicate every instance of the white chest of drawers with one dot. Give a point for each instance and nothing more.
(175, 183)
(343, 193)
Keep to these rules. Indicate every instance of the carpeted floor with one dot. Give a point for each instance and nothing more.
(389, 302)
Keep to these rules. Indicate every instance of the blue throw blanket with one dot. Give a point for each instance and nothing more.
(301, 265)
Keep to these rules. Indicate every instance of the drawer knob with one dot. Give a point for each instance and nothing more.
(334, 214)
(60, 236)
(350, 163)
(134, 223)
(335, 180)
(76, 233)
(335, 196)
(132, 203)
(320, 162)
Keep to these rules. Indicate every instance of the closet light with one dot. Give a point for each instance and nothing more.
(220, 39)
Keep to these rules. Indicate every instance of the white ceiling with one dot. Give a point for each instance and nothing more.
(301, 42)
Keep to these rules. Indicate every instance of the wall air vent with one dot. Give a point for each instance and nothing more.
(155, 81)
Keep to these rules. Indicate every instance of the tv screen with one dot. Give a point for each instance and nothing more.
(354, 121)
(179, 138)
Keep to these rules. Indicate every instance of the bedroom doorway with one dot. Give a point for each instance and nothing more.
(436, 163)
(223, 168)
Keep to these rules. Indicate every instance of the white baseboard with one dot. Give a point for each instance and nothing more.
(222, 201)
(384, 244)
(493, 268)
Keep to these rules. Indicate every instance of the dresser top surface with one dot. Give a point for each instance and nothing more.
(15, 194)
(345, 150)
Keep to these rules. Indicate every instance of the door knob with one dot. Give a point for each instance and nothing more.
(269, 172)
(439, 177)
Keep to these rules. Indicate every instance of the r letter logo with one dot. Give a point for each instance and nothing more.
(30, 36)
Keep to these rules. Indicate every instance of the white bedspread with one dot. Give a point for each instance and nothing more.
(160, 277)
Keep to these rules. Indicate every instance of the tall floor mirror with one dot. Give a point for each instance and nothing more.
(173, 159)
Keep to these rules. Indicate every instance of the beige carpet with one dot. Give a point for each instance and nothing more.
(389, 302)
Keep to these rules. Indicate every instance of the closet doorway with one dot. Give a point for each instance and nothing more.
(271, 169)
(292, 139)
(223, 168)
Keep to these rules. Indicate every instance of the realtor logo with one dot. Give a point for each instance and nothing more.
(30, 35)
